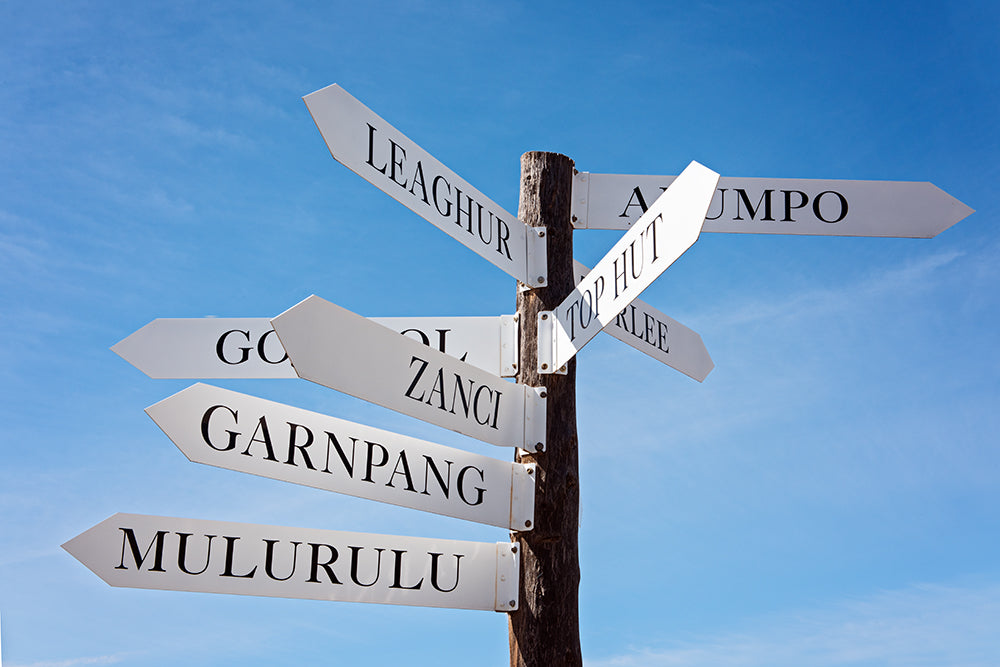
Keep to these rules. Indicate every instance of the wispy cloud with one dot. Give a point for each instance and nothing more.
(920, 626)
(908, 278)
(71, 662)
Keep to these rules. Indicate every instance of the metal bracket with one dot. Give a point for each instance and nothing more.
(510, 330)
(522, 497)
(579, 200)
(507, 577)
(534, 419)
(538, 257)
(546, 344)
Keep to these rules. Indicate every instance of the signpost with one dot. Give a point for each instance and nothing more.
(336, 348)
(779, 205)
(663, 233)
(446, 371)
(379, 153)
(231, 430)
(139, 551)
(246, 347)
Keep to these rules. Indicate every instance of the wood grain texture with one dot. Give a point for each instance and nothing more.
(545, 630)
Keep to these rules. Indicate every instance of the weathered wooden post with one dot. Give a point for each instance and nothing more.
(545, 630)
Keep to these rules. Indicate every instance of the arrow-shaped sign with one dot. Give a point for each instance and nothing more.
(339, 349)
(779, 205)
(140, 551)
(246, 347)
(663, 233)
(662, 338)
(379, 153)
(231, 430)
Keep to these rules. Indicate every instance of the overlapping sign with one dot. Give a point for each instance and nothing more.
(379, 153)
(661, 337)
(140, 551)
(246, 347)
(446, 371)
(239, 432)
(336, 348)
(670, 226)
(779, 205)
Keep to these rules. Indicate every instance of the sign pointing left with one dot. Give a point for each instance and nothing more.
(379, 153)
(246, 347)
(164, 553)
(336, 348)
(239, 432)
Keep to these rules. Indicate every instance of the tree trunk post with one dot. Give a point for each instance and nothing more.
(545, 630)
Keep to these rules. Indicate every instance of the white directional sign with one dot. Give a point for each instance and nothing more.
(230, 430)
(379, 153)
(779, 205)
(140, 551)
(670, 226)
(661, 337)
(336, 348)
(246, 347)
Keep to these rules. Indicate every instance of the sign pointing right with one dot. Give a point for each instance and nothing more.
(663, 233)
(899, 209)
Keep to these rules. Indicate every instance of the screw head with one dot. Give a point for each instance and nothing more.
(513, 603)
(539, 447)
(527, 524)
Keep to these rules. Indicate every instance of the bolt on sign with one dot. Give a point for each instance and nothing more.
(663, 233)
(141, 551)
(239, 432)
(379, 153)
(336, 348)
(779, 205)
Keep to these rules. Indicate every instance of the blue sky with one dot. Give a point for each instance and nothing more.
(830, 495)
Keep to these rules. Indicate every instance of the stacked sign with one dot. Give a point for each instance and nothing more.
(446, 371)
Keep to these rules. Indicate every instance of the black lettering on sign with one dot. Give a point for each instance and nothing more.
(442, 340)
(243, 558)
(223, 348)
(220, 430)
(466, 399)
(828, 206)
(220, 347)
(653, 331)
(472, 216)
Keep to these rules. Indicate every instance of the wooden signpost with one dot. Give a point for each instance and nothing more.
(449, 372)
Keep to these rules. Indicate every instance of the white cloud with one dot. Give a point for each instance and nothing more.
(921, 626)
